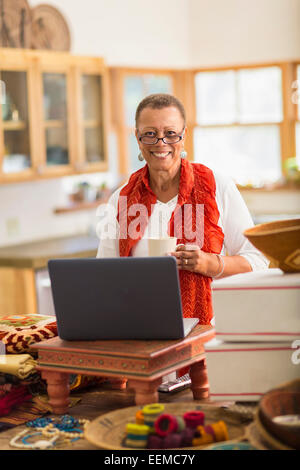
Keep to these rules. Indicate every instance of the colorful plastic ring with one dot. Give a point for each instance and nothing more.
(172, 440)
(165, 424)
(153, 409)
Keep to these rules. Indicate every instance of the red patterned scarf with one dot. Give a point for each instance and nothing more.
(197, 186)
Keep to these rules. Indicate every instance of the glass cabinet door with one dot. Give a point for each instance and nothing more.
(15, 121)
(136, 87)
(92, 110)
(55, 118)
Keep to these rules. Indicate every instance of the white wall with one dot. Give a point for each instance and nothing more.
(124, 32)
(129, 32)
(27, 209)
(243, 31)
(183, 33)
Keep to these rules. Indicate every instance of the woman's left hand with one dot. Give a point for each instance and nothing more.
(192, 258)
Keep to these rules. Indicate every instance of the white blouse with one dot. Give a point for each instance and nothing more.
(234, 219)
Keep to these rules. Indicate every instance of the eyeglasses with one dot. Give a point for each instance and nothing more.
(167, 139)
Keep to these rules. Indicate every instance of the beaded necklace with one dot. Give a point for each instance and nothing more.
(38, 445)
(64, 429)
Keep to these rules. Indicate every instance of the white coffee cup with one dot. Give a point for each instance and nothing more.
(161, 246)
(188, 247)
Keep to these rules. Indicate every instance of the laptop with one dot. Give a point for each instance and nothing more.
(118, 299)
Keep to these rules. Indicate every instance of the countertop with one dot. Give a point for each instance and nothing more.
(35, 255)
(100, 400)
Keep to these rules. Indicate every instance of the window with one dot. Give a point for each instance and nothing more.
(238, 116)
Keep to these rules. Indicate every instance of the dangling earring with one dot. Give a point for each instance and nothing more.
(183, 154)
(140, 157)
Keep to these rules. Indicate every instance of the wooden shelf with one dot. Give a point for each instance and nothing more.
(80, 206)
(270, 189)
(91, 123)
(14, 125)
(31, 114)
(55, 123)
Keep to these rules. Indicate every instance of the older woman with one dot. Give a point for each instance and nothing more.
(166, 186)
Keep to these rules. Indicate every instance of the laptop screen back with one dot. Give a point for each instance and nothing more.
(117, 298)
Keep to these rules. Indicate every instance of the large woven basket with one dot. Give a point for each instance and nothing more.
(279, 241)
(284, 402)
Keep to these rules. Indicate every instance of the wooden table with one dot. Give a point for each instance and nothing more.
(143, 363)
(99, 400)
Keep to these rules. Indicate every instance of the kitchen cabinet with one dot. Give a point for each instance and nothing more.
(53, 119)
(24, 280)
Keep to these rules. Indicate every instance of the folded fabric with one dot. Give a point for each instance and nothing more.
(18, 332)
(16, 396)
(80, 382)
(42, 401)
(4, 389)
(8, 379)
(20, 365)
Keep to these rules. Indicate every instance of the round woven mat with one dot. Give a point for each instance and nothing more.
(259, 437)
(15, 23)
(49, 29)
(108, 430)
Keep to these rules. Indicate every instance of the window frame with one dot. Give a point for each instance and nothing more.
(182, 87)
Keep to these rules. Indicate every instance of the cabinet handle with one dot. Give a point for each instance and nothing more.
(40, 169)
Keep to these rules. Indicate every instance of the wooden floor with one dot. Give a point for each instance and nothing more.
(95, 402)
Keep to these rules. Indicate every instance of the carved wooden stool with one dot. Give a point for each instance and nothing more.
(143, 363)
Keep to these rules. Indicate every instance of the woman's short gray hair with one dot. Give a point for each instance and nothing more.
(159, 101)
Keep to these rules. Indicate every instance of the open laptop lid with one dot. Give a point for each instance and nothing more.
(117, 298)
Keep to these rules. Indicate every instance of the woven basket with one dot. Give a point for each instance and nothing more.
(279, 241)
